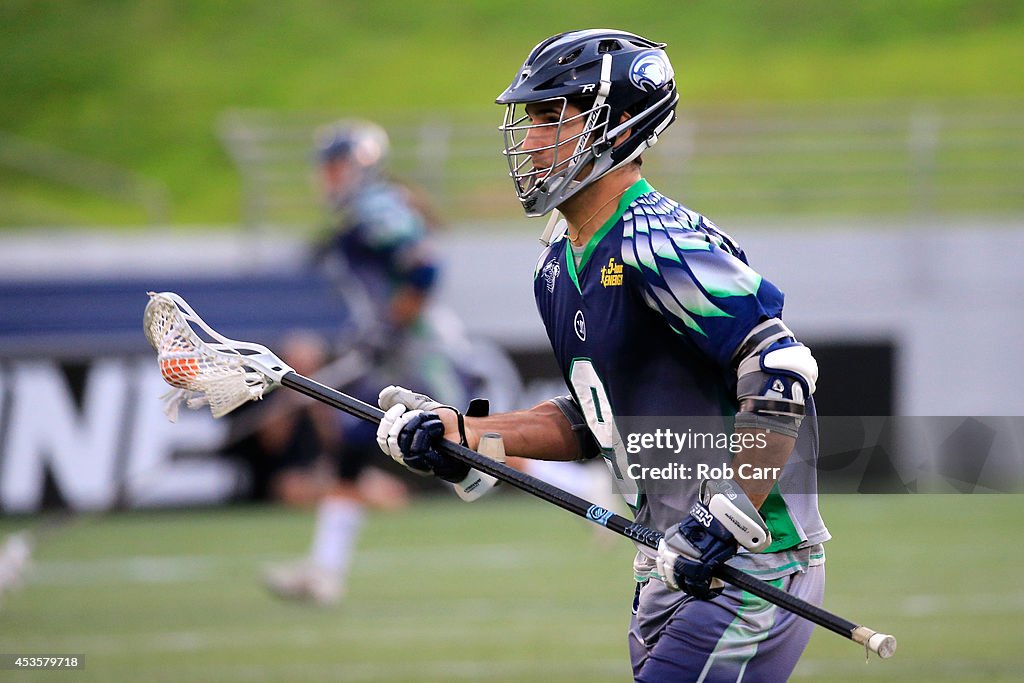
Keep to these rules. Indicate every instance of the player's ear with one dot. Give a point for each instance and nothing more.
(624, 135)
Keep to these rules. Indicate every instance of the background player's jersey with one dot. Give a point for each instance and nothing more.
(381, 243)
(646, 325)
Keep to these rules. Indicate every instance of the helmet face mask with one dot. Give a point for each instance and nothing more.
(567, 146)
(628, 87)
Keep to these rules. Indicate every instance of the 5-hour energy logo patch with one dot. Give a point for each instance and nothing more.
(611, 274)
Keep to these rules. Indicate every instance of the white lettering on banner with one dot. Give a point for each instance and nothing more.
(154, 476)
(118, 440)
(46, 429)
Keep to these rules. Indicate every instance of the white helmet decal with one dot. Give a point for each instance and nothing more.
(650, 70)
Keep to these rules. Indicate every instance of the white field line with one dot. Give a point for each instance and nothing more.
(962, 603)
(195, 568)
(460, 624)
(159, 569)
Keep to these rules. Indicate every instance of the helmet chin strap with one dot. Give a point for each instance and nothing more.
(603, 89)
(554, 223)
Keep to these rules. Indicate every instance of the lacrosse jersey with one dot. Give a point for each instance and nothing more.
(646, 325)
(381, 243)
(381, 246)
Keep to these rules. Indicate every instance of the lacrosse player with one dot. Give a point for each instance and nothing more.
(380, 254)
(651, 310)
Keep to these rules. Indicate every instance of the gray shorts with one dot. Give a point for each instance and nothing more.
(736, 636)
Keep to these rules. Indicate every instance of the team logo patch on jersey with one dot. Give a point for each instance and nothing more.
(650, 70)
(611, 275)
(550, 273)
(580, 325)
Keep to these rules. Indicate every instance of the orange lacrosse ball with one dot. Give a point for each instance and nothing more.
(179, 372)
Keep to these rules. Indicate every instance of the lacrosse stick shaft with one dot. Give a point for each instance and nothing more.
(882, 644)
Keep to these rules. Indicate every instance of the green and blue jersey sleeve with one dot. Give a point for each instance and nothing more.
(695, 276)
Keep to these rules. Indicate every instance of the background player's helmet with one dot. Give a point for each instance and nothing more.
(349, 154)
(607, 73)
(361, 143)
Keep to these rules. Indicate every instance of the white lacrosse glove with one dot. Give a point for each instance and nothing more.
(410, 431)
(392, 395)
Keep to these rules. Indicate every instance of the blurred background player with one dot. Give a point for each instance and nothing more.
(286, 441)
(382, 255)
(15, 561)
(380, 252)
(299, 453)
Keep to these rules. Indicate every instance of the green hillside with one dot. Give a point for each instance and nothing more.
(141, 84)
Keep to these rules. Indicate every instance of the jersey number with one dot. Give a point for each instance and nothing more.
(598, 410)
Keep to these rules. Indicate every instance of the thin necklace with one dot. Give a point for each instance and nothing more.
(599, 209)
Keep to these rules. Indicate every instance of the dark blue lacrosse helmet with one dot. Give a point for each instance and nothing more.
(606, 73)
(362, 143)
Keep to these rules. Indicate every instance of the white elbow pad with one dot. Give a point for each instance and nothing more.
(794, 359)
(774, 372)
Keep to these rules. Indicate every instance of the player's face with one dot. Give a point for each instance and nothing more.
(336, 178)
(557, 127)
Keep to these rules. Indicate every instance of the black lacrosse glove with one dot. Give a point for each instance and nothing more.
(692, 550)
(418, 440)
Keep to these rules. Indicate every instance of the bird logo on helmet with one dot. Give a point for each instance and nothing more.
(626, 89)
(650, 71)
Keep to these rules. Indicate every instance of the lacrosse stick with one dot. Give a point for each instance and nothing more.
(225, 374)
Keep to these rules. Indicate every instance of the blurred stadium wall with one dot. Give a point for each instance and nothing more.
(893, 229)
(906, 319)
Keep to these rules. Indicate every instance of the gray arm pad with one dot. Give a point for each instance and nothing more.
(571, 410)
(774, 376)
(781, 424)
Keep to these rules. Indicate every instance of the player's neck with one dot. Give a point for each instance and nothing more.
(587, 211)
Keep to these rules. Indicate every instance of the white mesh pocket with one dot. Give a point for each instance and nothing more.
(203, 373)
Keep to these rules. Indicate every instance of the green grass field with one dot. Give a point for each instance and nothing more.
(507, 590)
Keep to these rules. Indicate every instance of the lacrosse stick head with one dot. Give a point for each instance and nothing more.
(203, 366)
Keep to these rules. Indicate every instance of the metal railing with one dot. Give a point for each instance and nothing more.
(766, 161)
(85, 174)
